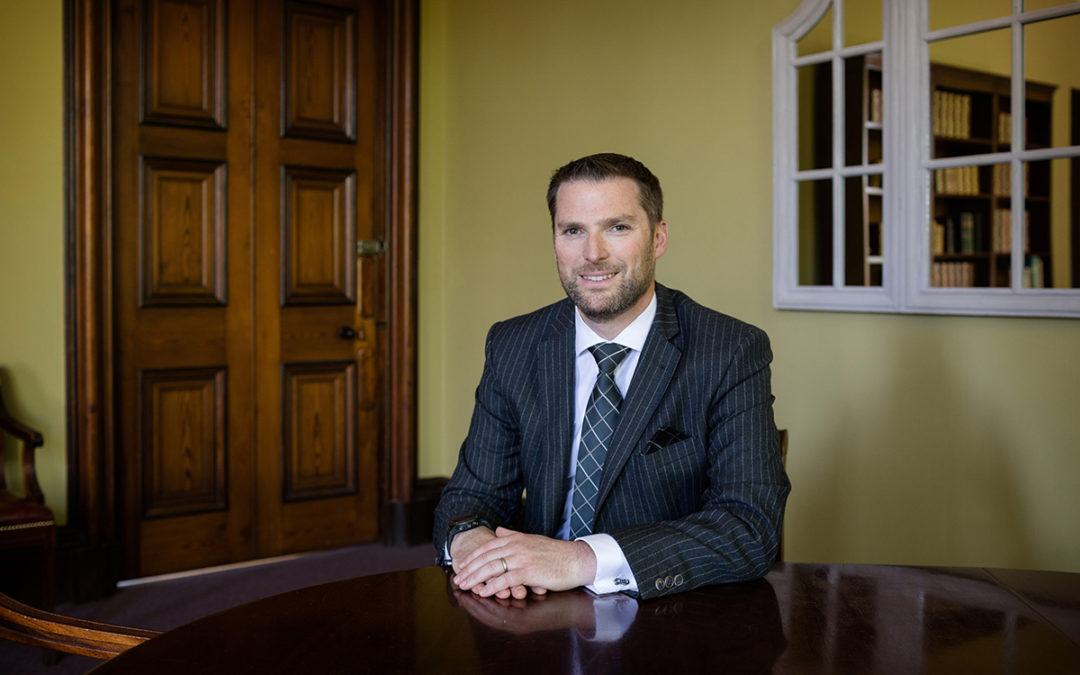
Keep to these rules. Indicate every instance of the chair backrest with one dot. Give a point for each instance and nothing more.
(783, 458)
(38, 628)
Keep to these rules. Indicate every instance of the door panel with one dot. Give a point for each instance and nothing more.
(319, 236)
(319, 431)
(248, 375)
(185, 502)
(315, 175)
(184, 63)
(182, 257)
(320, 60)
(184, 442)
(182, 286)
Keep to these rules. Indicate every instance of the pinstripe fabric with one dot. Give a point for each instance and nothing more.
(700, 504)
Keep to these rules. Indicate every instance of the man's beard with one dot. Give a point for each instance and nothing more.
(602, 308)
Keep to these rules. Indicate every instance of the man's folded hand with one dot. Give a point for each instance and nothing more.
(512, 562)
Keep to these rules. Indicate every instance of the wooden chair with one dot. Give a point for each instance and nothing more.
(38, 628)
(25, 522)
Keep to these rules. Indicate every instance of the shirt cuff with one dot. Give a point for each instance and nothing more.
(613, 573)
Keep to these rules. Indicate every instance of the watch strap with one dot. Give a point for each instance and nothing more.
(459, 525)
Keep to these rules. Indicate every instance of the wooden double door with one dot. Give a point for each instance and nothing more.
(246, 166)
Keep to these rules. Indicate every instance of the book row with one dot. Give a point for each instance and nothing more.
(1034, 272)
(960, 180)
(1004, 130)
(964, 180)
(1002, 177)
(1002, 231)
(960, 233)
(962, 274)
(952, 274)
(963, 233)
(951, 113)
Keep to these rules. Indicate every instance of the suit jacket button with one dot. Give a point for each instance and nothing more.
(659, 584)
(668, 582)
(678, 580)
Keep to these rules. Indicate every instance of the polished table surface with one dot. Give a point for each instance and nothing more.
(800, 618)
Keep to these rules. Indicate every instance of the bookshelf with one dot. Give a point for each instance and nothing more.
(971, 223)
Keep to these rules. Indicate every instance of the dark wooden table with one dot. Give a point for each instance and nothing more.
(800, 618)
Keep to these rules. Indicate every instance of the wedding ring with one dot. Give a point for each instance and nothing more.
(505, 567)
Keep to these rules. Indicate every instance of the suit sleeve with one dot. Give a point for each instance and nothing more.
(734, 536)
(487, 480)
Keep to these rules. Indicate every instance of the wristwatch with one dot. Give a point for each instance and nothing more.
(459, 525)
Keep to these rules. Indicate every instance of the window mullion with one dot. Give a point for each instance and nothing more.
(894, 181)
(839, 205)
(1018, 144)
(911, 87)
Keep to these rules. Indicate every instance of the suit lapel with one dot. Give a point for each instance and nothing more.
(555, 365)
(656, 366)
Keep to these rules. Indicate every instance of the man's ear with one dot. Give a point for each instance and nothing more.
(660, 239)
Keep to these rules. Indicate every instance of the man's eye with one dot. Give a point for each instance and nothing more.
(570, 231)
(620, 227)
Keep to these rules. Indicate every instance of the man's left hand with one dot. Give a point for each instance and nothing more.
(531, 560)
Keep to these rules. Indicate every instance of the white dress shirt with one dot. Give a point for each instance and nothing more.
(613, 573)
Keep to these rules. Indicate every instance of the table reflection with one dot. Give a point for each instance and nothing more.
(736, 628)
(887, 619)
(800, 618)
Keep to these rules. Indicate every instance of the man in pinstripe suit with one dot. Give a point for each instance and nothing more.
(692, 489)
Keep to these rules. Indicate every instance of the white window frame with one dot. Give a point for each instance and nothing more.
(907, 167)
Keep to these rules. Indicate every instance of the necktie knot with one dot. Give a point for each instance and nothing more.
(608, 356)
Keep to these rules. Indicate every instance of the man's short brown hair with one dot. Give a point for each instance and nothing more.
(596, 168)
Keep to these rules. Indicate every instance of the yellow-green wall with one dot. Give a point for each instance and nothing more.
(936, 440)
(31, 232)
(914, 439)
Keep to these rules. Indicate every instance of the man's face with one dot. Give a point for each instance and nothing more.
(605, 250)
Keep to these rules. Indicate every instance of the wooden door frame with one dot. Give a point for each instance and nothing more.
(92, 535)
(1074, 189)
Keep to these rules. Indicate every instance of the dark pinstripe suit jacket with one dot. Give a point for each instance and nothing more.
(693, 487)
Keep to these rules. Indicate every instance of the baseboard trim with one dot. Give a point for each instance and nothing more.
(184, 574)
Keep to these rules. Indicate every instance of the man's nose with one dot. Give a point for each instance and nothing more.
(595, 249)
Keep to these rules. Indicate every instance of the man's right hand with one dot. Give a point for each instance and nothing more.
(463, 544)
(514, 561)
(462, 547)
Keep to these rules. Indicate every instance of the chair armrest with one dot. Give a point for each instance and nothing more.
(38, 628)
(19, 430)
(30, 439)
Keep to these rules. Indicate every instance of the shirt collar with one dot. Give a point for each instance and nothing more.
(633, 336)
